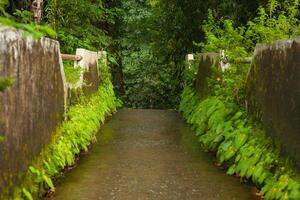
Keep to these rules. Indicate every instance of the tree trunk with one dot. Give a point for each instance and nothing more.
(37, 10)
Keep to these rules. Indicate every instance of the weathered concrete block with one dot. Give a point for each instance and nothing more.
(89, 80)
(33, 107)
(91, 73)
(273, 92)
(207, 62)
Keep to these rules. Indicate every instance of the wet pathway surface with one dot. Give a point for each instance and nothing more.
(148, 154)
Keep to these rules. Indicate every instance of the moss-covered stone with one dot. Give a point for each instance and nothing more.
(273, 93)
(207, 64)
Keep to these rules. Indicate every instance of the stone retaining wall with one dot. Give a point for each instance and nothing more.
(207, 62)
(31, 109)
(273, 93)
(34, 106)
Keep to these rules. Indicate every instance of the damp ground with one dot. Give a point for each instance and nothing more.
(148, 155)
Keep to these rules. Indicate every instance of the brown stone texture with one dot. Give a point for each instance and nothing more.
(33, 107)
(207, 62)
(273, 93)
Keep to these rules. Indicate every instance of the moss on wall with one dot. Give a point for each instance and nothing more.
(32, 108)
(273, 93)
(225, 129)
(72, 137)
(72, 74)
(6, 82)
(215, 107)
(206, 63)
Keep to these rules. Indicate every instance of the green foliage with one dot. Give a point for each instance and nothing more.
(3, 4)
(40, 176)
(2, 139)
(37, 31)
(73, 136)
(6, 82)
(23, 16)
(149, 81)
(176, 25)
(23, 20)
(190, 72)
(81, 23)
(72, 74)
(221, 35)
(276, 21)
(155, 36)
(223, 128)
(220, 120)
(27, 194)
(78, 23)
(148, 84)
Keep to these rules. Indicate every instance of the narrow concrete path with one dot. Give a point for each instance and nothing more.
(148, 154)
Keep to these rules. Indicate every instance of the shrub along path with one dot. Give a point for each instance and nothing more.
(148, 154)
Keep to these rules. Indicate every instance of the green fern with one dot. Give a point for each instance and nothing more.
(225, 130)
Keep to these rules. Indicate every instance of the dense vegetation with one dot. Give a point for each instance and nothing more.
(219, 117)
(224, 128)
(72, 137)
(148, 41)
(154, 37)
(81, 23)
(149, 81)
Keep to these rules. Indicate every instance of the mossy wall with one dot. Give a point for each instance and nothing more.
(89, 78)
(90, 74)
(223, 126)
(207, 63)
(273, 93)
(33, 109)
(33, 106)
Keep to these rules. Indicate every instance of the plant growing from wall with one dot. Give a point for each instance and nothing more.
(72, 137)
(220, 120)
(2, 139)
(6, 82)
(225, 129)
